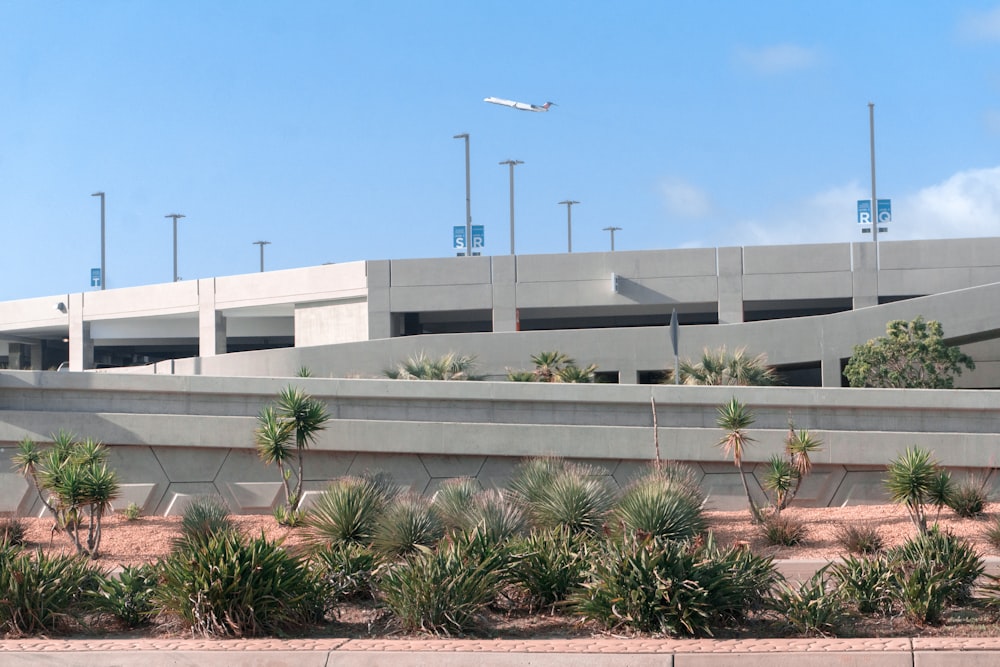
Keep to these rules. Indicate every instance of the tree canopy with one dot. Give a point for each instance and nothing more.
(912, 355)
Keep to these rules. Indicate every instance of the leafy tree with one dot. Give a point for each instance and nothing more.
(295, 417)
(719, 367)
(734, 419)
(912, 355)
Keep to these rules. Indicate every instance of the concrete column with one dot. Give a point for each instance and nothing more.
(81, 345)
(17, 356)
(864, 275)
(36, 356)
(831, 370)
(504, 279)
(730, 285)
(211, 323)
(379, 303)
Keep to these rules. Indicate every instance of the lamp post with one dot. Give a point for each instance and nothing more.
(612, 230)
(512, 164)
(468, 197)
(262, 244)
(104, 275)
(175, 216)
(569, 223)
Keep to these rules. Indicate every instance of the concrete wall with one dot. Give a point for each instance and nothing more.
(176, 437)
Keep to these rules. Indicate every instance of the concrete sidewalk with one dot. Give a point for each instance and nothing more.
(615, 652)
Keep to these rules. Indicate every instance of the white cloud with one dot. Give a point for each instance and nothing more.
(967, 204)
(685, 199)
(981, 26)
(777, 59)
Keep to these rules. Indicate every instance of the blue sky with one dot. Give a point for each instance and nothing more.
(327, 128)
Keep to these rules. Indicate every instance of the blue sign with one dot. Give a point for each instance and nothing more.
(95, 277)
(478, 237)
(884, 210)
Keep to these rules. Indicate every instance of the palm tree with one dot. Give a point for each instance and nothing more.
(576, 374)
(548, 365)
(734, 419)
(910, 479)
(799, 445)
(718, 367)
(294, 416)
(450, 366)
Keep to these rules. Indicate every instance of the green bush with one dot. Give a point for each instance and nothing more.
(941, 551)
(662, 505)
(227, 586)
(859, 539)
(783, 530)
(452, 500)
(132, 512)
(812, 609)
(129, 596)
(348, 509)
(672, 587)
(204, 517)
(42, 593)
(494, 516)
(968, 499)
(992, 533)
(407, 524)
(869, 583)
(348, 569)
(443, 591)
(549, 563)
(12, 532)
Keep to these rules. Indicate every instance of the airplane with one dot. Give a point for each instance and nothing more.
(519, 105)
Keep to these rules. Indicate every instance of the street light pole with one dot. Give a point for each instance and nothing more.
(104, 275)
(512, 164)
(874, 213)
(569, 223)
(175, 216)
(468, 197)
(612, 230)
(262, 244)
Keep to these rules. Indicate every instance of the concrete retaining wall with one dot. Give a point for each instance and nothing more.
(175, 437)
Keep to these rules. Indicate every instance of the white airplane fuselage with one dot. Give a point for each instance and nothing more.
(522, 106)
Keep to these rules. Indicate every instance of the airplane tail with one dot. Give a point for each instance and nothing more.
(547, 105)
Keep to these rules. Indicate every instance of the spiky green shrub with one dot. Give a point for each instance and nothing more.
(992, 533)
(128, 597)
(867, 582)
(452, 500)
(813, 609)
(12, 532)
(443, 591)
(40, 593)
(205, 516)
(911, 477)
(856, 538)
(576, 499)
(348, 569)
(408, 523)
(672, 587)
(783, 530)
(943, 552)
(662, 504)
(132, 512)
(228, 586)
(495, 517)
(968, 499)
(348, 509)
(533, 476)
(549, 563)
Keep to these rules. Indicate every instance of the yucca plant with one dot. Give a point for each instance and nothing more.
(227, 586)
(867, 582)
(910, 478)
(780, 478)
(943, 551)
(12, 532)
(673, 587)
(203, 517)
(128, 597)
(813, 608)
(348, 509)
(574, 499)
(549, 563)
(285, 429)
(533, 476)
(968, 499)
(40, 593)
(407, 524)
(992, 533)
(452, 500)
(348, 569)
(860, 539)
(495, 517)
(443, 591)
(735, 418)
(662, 505)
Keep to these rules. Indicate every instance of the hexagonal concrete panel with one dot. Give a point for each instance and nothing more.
(724, 491)
(145, 496)
(861, 487)
(190, 464)
(178, 496)
(439, 466)
(326, 466)
(405, 469)
(17, 496)
(139, 469)
(497, 471)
